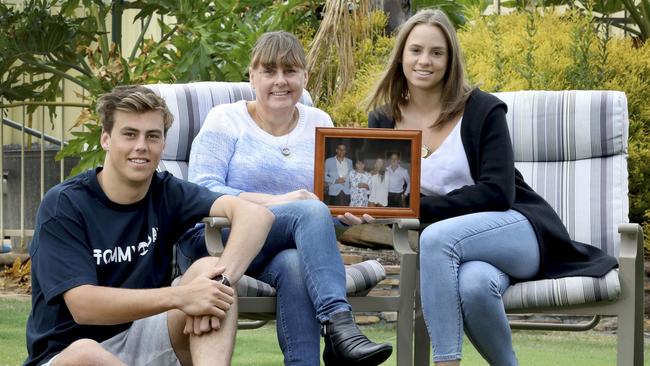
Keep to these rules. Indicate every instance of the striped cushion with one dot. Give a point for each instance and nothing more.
(590, 196)
(177, 168)
(190, 103)
(571, 148)
(360, 278)
(250, 287)
(566, 125)
(562, 291)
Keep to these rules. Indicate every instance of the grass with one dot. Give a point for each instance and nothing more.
(259, 347)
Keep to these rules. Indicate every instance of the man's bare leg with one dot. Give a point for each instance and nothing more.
(212, 348)
(86, 352)
(216, 347)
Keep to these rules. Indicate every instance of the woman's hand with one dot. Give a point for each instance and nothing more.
(350, 219)
(301, 194)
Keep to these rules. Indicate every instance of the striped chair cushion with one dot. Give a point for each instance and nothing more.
(566, 125)
(571, 148)
(562, 291)
(250, 287)
(360, 278)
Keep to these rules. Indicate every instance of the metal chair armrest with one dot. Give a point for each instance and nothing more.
(213, 240)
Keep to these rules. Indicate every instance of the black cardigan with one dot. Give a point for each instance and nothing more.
(499, 187)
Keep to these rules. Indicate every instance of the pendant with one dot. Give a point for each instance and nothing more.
(286, 151)
(425, 152)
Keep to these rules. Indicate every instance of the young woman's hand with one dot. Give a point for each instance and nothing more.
(350, 219)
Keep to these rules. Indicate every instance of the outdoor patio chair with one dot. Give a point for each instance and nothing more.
(571, 147)
(190, 103)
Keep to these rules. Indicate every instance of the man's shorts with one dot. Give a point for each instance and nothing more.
(146, 342)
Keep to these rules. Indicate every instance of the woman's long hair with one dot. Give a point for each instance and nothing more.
(391, 91)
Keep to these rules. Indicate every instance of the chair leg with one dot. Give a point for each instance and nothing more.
(405, 319)
(422, 342)
(405, 338)
(630, 313)
(630, 339)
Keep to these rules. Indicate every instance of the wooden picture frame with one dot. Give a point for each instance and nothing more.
(372, 151)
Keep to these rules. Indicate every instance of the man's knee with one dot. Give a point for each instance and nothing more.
(199, 266)
(84, 352)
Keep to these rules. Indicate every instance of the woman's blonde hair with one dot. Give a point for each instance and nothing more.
(392, 89)
(278, 48)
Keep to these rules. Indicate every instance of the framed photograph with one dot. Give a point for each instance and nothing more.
(369, 170)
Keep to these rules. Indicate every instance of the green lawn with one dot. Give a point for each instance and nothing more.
(259, 347)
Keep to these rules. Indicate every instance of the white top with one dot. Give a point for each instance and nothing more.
(232, 154)
(398, 178)
(447, 168)
(379, 189)
(341, 167)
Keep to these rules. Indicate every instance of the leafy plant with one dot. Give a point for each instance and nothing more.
(203, 41)
(346, 106)
(455, 10)
(637, 22)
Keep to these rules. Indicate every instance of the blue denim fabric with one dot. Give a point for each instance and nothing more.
(466, 263)
(301, 260)
(296, 325)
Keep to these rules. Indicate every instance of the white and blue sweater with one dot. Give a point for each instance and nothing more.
(232, 154)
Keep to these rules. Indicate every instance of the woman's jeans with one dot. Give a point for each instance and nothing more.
(300, 258)
(465, 267)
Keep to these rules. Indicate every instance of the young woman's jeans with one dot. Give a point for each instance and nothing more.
(466, 263)
(301, 260)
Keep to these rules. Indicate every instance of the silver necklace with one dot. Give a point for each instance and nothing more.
(286, 151)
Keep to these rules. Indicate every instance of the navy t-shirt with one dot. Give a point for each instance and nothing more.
(82, 237)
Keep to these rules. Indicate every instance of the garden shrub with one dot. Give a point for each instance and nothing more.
(347, 109)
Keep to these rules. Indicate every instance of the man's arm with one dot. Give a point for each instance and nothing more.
(250, 224)
(98, 305)
(331, 174)
(407, 178)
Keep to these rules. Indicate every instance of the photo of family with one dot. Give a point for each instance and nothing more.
(369, 176)
(362, 172)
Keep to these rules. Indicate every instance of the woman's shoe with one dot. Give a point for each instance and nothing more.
(346, 345)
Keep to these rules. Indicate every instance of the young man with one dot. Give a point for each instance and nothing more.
(399, 184)
(102, 249)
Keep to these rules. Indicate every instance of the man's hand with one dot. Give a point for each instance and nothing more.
(350, 219)
(198, 325)
(205, 296)
(339, 180)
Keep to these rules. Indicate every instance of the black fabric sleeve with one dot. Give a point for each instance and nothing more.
(494, 188)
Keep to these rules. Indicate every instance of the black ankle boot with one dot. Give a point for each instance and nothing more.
(346, 345)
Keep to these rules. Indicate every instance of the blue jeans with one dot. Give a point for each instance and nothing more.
(300, 258)
(466, 263)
